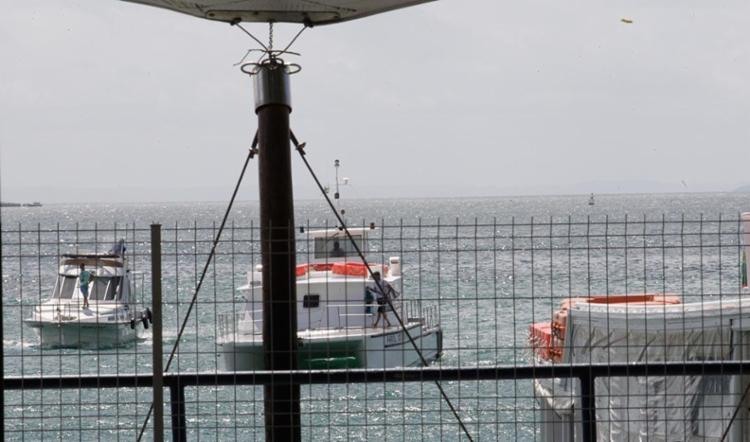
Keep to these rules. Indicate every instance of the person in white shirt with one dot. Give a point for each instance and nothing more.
(382, 297)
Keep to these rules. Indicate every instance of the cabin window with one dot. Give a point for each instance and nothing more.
(311, 301)
(114, 291)
(65, 287)
(339, 247)
(104, 289)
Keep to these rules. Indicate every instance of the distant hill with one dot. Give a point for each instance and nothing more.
(743, 188)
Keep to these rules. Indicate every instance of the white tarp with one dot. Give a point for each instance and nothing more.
(290, 11)
(655, 408)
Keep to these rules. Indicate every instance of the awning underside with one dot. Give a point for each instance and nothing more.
(311, 12)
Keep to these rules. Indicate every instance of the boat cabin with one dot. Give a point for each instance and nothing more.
(335, 245)
(332, 285)
(108, 282)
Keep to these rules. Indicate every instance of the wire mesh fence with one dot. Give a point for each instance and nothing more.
(474, 295)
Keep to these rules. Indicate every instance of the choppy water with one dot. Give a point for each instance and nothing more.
(494, 265)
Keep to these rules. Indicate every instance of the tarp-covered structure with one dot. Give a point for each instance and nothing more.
(282, 11)
(654, 408)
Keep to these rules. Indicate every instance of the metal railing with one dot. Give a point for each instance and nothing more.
(586, 374)
(483, 283)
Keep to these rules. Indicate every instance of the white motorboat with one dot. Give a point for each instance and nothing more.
(109, 320)
(335, 321)
(640, 328)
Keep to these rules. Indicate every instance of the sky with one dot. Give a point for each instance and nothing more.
(112, 101)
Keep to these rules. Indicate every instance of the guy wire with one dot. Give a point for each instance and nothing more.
(295, 38)
(300, 149)
(269, 48)
(265, 48)
(203, 274)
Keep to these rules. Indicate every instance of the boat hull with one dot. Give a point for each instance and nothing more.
(61, 335)
(370, 348)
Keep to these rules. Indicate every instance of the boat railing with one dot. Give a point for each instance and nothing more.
(347, 315)
(63, 312)
(240, 323)
(427, 315)
(355, 315)
(410, 311)
(351, 315)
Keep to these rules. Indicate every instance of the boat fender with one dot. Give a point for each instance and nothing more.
(132, 322)
(144, 320)
(149, 315)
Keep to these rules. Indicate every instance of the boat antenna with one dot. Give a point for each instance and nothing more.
(337, 194)
(336, 165)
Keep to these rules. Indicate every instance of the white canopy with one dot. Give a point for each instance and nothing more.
(290, 11)
(660, 408)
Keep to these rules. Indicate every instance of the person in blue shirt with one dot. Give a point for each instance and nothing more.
(84, 278)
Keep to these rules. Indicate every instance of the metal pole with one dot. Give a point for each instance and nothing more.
(273, 106)
(157, 357)
(2, 353)
(588, 406)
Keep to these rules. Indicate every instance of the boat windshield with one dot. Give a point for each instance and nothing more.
(65, 287)
(329, 248)
(105, 288)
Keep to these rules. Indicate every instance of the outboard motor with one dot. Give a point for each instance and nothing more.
(146, 318)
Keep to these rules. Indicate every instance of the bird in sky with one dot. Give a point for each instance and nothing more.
(626, 21)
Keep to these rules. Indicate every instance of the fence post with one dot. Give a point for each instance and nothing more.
(2, 353)
(157, 359)
(177, 405)
(588, 406)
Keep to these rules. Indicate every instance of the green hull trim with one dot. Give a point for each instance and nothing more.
(330, 355)
(318, 356)
(330, 363)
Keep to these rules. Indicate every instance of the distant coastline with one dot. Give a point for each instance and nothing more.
(34, 204)
(743, 188)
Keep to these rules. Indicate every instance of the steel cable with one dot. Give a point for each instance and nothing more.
(300, 149)
(211, 255)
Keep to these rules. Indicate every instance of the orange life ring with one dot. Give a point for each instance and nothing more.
(322, 267)
(349, 269)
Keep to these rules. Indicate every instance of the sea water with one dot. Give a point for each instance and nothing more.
(490, 263)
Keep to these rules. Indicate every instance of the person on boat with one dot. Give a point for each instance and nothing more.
(119, 248)
(383, 293)
(369, 299)
(337, 251)
(85, 277)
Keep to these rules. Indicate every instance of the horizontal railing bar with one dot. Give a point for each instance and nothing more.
(432, 222)
(390, 375)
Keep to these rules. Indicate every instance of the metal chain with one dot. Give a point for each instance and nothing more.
(270, 35)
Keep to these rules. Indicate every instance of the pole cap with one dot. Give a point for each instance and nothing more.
(271, 83)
